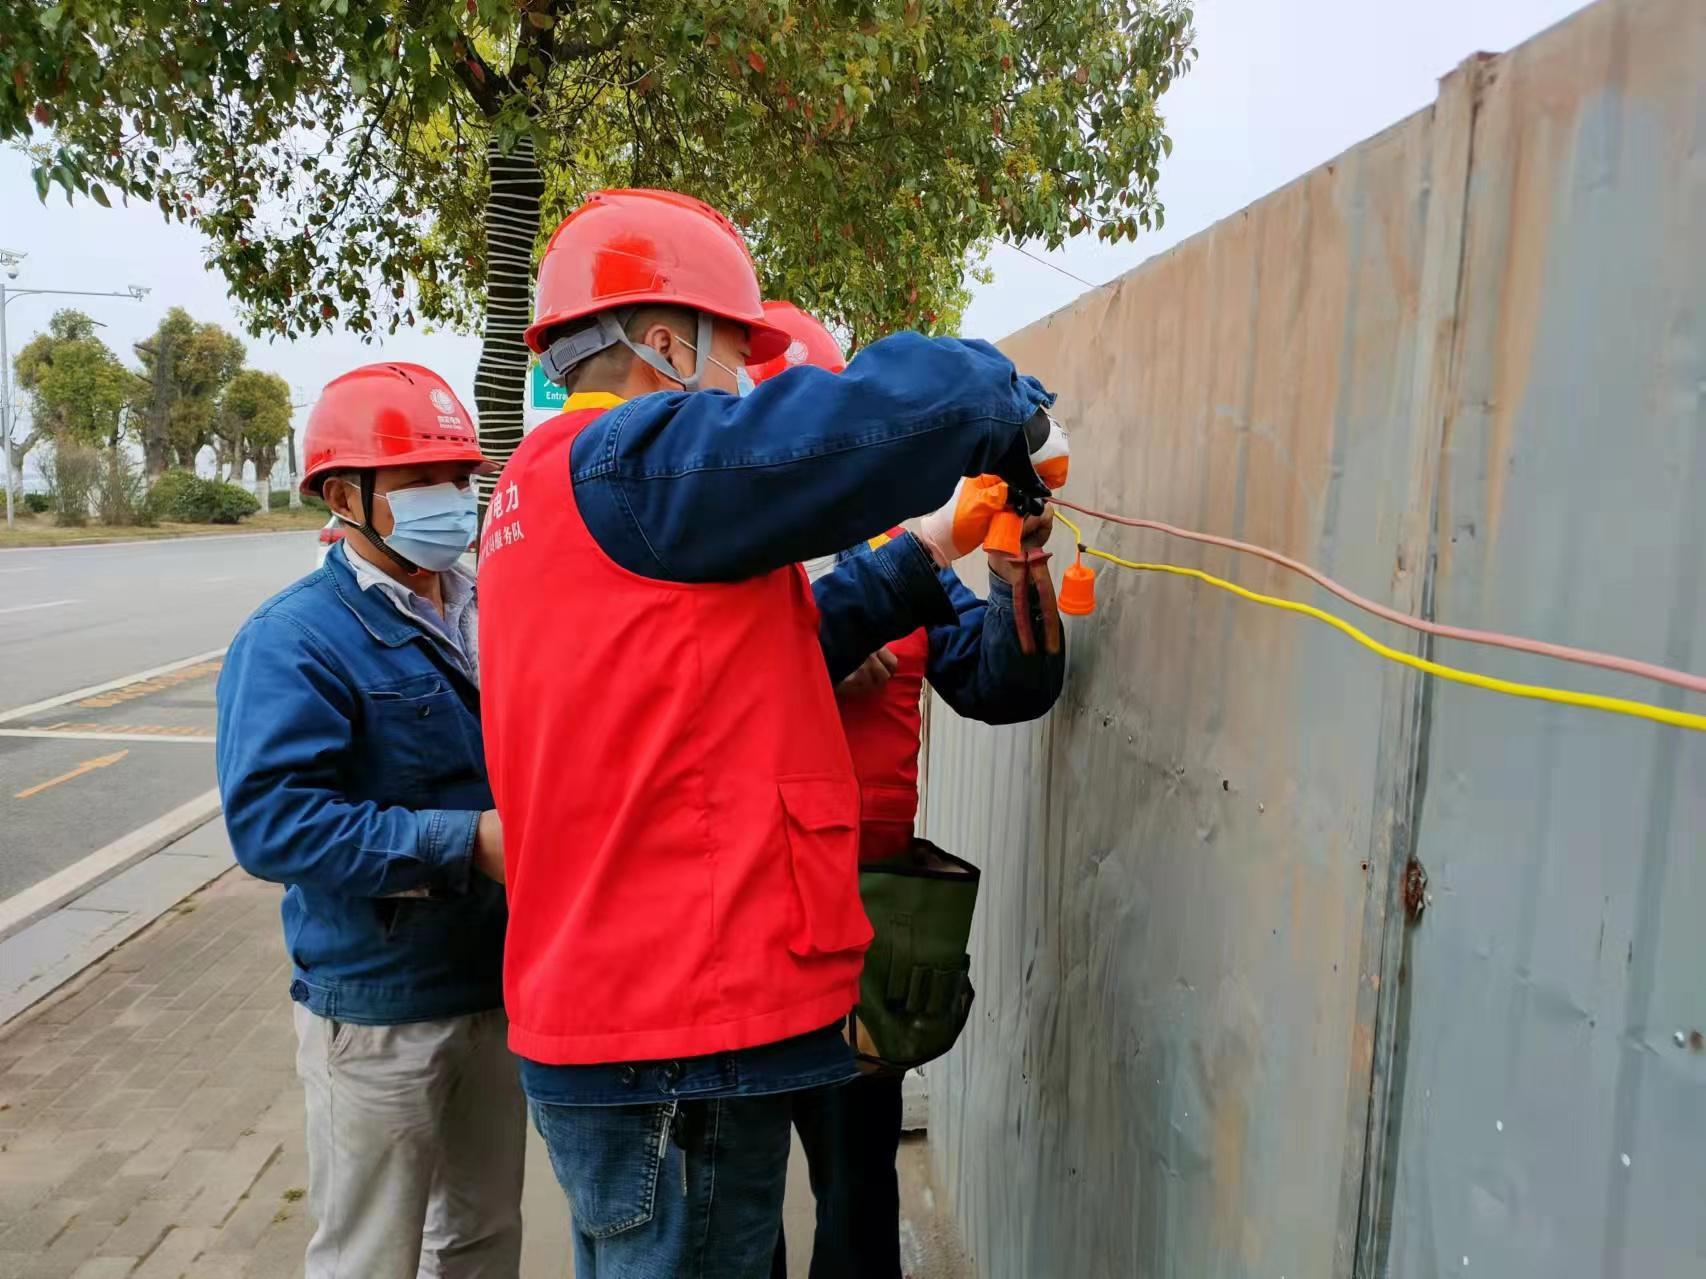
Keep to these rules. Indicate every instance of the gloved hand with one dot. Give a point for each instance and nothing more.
(1035, 464)
(1027, 572)
(959, 527)
(1026, 561)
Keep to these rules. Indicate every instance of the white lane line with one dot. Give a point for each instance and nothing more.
(34, 568)
(28, 608)
(79, 735)
(25, 908)
(77, 694)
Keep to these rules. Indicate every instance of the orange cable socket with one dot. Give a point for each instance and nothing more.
(1078, 590)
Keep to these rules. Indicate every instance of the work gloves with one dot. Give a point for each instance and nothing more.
(989, 511)
(1033, 466)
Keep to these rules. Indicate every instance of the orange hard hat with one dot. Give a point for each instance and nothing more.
(641, 247)
(809, 343)
(386, 415)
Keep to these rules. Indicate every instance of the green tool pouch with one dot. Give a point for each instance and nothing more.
(915, 993)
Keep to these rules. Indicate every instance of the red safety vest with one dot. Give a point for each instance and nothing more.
(883, 731)
(680, 813)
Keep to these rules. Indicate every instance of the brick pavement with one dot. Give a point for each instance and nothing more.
(150, 1119)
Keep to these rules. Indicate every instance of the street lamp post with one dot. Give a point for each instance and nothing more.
(9, 261)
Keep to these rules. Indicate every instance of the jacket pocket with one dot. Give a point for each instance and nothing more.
(820, 816)
(608, 1160)
(880, 803)
(419, 733)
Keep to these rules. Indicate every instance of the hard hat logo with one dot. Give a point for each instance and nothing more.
(442, 401)
(809, 343)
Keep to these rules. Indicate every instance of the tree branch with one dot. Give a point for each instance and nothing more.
(485, 87)
(565, 50)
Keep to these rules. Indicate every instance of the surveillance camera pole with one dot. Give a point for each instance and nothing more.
(9, 262)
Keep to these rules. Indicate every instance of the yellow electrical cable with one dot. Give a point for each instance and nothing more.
(1510, 688)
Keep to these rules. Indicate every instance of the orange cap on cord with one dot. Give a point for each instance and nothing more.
(1077, 596)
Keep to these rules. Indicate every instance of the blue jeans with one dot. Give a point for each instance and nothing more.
(672, 1189)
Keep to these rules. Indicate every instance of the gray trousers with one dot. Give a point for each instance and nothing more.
(416, 1140)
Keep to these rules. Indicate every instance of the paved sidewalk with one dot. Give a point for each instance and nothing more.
(151, 1121)
(39, 958)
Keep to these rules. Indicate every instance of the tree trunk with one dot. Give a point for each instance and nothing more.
(512, 226)
(16, 451)
(264, 460)
(156, 448)
(156, 440)
(295, 487)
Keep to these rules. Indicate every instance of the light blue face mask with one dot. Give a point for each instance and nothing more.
(434, 526)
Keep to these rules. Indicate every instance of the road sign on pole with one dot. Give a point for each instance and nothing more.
(545, 399)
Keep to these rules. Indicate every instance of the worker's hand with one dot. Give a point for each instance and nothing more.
(959, 527)
(1035, 464)
(1037, 531)
(489, 846)
(872, 674)
(1033, 536)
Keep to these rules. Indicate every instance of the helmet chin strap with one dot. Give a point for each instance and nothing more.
(610, 329)
(707, 332)
(365, 528)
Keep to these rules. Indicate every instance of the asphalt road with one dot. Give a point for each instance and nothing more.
(77, 775)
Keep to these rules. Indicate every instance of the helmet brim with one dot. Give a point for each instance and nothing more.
(424, 455)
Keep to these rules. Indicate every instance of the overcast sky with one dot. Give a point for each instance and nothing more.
(1277, 89)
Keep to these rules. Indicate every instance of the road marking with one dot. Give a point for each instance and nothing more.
(34, 568)
(28, 608)
(188, 735)
(87, 766)
(158, 684)
(23, 909)
(127, 730)
(78, 694)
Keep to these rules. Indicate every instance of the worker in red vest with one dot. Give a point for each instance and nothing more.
(851, 1133)
(680, 811)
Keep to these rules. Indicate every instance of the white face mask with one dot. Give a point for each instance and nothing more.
(743, 379)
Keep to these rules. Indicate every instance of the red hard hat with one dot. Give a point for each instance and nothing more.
(808, 343)
(386, 415)
(634, 247)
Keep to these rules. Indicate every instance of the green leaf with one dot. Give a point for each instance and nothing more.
(873, 224)
(99, 195)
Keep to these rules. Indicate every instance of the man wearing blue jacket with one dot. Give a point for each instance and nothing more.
(681, 815)
(352, 771)
(980, 668)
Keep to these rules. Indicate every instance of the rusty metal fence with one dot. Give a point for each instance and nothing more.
(1463, 369)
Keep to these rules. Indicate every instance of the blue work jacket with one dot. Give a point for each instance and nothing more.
(353, 772)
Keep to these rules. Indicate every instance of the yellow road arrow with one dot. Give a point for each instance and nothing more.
(87, 766)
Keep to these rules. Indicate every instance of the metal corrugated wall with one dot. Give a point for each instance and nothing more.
(1190, 1019)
